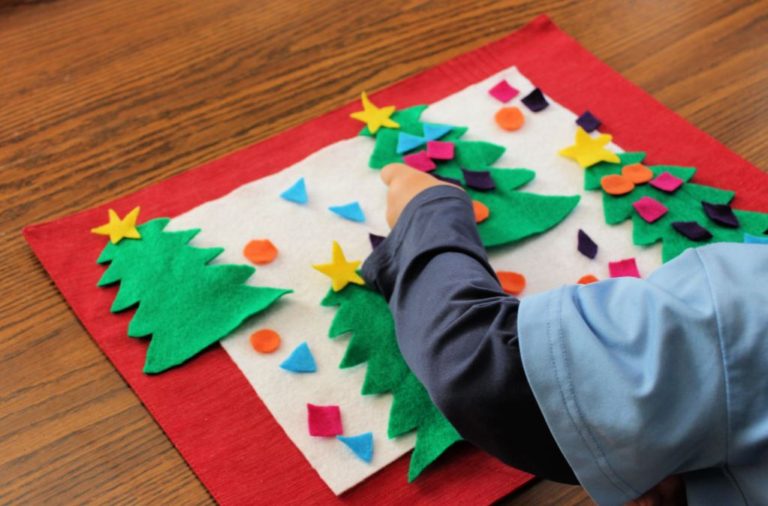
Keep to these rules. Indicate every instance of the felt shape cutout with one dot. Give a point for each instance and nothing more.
(503, 91)
(624, 268)
(260, 251)
(514, 215)
(118, 229)
(365, 315)
(296, 193)
(351, 212)
(361, 445)
(433, 131)
(637, 173)
(754, 239)
(420, 161)
(509, 118)
(479, 179)
(692, 230)
(588, 150)
(439, 150)
(480, 210)
(535, 101)
(615, 184)
(666, 182)
(586, 245)
(722, 214)
(375, 117)
(650, 209)
(185, 304)
(324, 421)
(512, 283)
(587, 279)
(340, 270)
(265, 340)
(375, 240)
(300, 360)
(588, 122)
(407, 142)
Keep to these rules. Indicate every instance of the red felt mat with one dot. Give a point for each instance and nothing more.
(208, 409)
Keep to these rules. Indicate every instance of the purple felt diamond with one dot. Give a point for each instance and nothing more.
(586, 245)
(535, 101)
(503, 92)
(375, 240)
(650, 209)
(666, 182)
(722, 214)
(479, 179)
(692, 230)
(446, 179)
(588, 122)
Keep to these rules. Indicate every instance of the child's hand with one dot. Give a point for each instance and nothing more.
(404, 183)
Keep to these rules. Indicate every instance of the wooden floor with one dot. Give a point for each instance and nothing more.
(101, 97)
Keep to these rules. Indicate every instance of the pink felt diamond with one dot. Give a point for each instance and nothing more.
(503, 92)
(420, 161)
(624, 268)
(324, 421)
(666, 182)
(439, 150)
(650, 209)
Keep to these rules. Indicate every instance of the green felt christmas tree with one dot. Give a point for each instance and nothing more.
(365, 314)
(185, 304)
(514, 215)
(684, 205)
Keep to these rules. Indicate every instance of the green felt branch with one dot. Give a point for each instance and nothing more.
(365, 315)
(185, 304)
(685, 204)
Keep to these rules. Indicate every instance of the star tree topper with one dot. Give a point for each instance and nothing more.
(589, 150)
(118, 229)
(375, 117)
(340, 270)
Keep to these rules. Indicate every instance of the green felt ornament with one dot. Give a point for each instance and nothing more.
(365, 315)
(514, 215)
(184, 303)
(685, 204)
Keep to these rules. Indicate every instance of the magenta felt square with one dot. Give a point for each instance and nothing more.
(650, 209)
(624, 268)
(503, 92)
(420, 161)
(439, 150)
(324, 421)
(666, 182)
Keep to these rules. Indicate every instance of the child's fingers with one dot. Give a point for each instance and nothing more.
(391, 171)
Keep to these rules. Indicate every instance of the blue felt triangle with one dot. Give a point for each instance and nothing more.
(300, 360)
(351, 211)
(362, 445)
(755, 239)
(434, 131)
(297, 192)
(406, 142)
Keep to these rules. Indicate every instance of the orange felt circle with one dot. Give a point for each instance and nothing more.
(617, 185)
(265, 340)
(587, 279)
(510, 118)
(260, 251)
(637, 173)
(511, 282)
(481, 211)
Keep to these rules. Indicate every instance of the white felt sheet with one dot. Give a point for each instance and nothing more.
(339, 174)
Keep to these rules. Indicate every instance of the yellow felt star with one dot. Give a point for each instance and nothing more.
(589, 150)
(340, 270)
(375, 117)
(118, 229)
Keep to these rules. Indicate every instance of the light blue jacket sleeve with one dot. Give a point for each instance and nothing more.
(642, 379)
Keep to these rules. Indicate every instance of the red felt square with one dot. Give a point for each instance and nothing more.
(324, 421)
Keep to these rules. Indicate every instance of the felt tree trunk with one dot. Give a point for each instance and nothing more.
(514, 215)
(683, 205)
(184, 303)
(365, 314)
